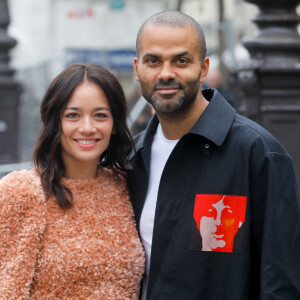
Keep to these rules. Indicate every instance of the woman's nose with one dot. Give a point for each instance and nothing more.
(87, 126)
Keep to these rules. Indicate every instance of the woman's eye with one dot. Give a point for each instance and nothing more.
(100, 116)
(72, 115)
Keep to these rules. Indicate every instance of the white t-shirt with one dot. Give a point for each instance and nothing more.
(160, 151)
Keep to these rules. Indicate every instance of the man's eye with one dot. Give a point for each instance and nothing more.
(182, 61)
(72, 116)
(152, 61)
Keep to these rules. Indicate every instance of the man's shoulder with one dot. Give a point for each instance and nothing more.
(250, 133)
(138, 143)
(137, 137)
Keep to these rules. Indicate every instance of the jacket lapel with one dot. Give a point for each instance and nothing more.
(139, 175)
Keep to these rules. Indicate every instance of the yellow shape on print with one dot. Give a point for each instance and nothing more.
(229, 222)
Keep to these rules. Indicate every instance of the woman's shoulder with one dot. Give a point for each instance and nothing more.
(112, 181)
(21, 186)
(111, 175)
(19, 176)
(23, 179)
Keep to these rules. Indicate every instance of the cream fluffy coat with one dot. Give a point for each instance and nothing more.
(91, 251)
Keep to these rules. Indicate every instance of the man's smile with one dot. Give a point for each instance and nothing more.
(167, 90)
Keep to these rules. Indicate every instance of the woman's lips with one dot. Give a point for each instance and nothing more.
(86, 143)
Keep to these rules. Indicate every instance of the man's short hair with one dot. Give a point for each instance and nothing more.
(173, 19)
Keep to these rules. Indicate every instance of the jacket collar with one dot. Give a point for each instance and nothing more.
(146, 136)
(216, 120)
(214, 123)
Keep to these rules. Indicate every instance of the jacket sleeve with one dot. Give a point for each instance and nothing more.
(276, 227)
(22, 222)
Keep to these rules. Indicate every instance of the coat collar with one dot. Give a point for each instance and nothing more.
(216, 120)
(214, 123)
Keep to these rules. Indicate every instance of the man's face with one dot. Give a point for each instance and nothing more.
(219, 217)
(169, 68)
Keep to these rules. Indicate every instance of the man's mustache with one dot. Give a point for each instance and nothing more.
(166, 84)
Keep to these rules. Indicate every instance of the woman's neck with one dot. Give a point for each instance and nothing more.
(81, 171)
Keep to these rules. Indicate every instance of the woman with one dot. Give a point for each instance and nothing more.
(67, 227)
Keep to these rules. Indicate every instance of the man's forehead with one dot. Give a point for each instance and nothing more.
(157, 37)
(167, 29)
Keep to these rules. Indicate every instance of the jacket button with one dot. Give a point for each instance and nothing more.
(206, 146)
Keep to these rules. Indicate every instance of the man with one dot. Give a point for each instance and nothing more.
(195, 152)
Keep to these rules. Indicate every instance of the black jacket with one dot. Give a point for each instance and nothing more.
(224, 155)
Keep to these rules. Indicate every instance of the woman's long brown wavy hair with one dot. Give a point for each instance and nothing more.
(47, 155)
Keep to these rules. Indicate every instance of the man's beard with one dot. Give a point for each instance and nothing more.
(175, 105)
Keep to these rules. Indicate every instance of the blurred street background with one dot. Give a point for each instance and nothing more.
(51, 34)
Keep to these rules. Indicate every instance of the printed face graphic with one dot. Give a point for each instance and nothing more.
(218, 218)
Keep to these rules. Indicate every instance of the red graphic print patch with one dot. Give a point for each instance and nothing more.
(219, 220)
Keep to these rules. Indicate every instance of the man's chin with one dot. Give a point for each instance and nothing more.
(167, 110)
(167, 106)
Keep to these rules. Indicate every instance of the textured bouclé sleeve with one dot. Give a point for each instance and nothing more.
(22, 223)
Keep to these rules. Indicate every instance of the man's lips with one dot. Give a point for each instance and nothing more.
(167, 90)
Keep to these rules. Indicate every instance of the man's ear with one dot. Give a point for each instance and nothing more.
(204, 67)
(135, 64)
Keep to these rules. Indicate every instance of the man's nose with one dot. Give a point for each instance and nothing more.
(166, 72)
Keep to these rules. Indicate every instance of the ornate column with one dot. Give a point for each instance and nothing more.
(9, 94)
(267, 87)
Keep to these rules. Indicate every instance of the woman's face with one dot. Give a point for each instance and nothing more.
(87, 125)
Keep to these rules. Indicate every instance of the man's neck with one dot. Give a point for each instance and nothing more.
(175, 126)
